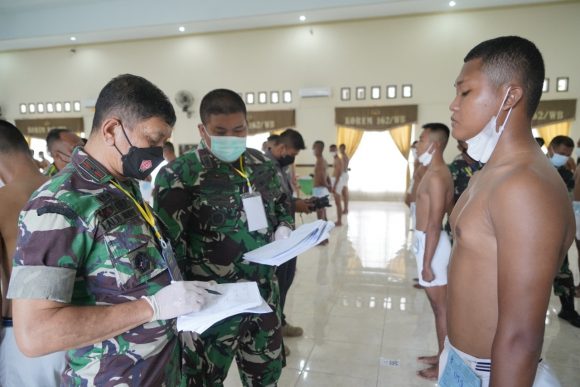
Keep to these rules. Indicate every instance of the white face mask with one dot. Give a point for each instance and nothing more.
(481, 146)
(426, 157)
(559, 160)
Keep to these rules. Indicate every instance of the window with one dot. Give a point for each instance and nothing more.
(256, 140)
(377, 166)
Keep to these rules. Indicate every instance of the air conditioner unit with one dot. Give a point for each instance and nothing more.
(315, 92)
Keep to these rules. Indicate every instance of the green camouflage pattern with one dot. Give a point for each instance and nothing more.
(461, 172)
(78, 222)
(199, 199)
(51, 170)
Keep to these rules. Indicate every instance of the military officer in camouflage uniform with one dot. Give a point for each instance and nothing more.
(203, 197)
(462, 168)
(60, 144)
(92, 274)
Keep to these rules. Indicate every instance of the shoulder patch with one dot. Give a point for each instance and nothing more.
(56, 209)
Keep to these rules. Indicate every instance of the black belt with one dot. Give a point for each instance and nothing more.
(6, 322)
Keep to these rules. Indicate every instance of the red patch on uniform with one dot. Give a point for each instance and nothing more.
(145, 165)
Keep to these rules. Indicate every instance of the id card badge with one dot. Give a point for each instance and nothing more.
(254, 209)
(169, 257)
(457, 373)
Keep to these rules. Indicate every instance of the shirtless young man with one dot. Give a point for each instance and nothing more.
(321, 181)
(19, 172)
(512, 226)
(345, 161)
(431, 242)
(336, 183)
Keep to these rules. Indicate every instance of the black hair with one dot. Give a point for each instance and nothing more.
(291, 138)
(11, 139)
(221, 101)
(437, 127)
(540, 141)
(169, 146)
(510, 58)
(562, 140)
(53, 136)
(319, 142)
(132, 99)
(273, 137)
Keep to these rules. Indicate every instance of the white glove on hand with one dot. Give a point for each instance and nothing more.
(179, 298)
(282, 232)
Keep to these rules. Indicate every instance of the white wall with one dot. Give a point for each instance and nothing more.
(426, 51)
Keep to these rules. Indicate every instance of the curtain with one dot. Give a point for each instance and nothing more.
(350, 138)
(402, 139)
(548, 132)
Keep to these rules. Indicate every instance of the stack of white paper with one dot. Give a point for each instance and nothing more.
(300, 240)
(235, 298)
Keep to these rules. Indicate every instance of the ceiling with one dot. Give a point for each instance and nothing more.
(30, 24)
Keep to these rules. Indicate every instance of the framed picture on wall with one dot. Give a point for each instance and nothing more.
(345, 94)
(361, 92)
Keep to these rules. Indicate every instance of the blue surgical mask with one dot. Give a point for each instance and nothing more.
(559, 160)
(227, 148)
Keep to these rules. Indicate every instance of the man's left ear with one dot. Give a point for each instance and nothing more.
(514, 97)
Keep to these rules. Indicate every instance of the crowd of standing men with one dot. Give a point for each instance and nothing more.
(98, 277)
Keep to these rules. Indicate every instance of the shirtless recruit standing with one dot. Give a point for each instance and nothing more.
(512, 226)
(337, 183)
(321, 181)
(22, 177)
(431, 243)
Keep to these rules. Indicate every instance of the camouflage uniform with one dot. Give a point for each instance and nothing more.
(461, 171)
(564, 281)
(199, 198)
(83, 242)
(51, 170)
(286, 271)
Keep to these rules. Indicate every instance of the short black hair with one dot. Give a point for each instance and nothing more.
(342, 146)
(132, 99)
(221, 101)
(319, 142)
(169, 146)
(273, 137)
(291, 138)
(438, 127)
(562, 140)
(513, 58)
(53, 136)
(11, 139)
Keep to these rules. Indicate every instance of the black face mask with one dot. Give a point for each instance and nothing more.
(286, 160)
(138, 163)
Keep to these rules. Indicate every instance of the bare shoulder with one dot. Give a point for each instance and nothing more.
(533, 187)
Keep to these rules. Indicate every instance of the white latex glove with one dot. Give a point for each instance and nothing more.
(179, 298)
(282, 232)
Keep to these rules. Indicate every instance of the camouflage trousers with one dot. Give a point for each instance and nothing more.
(254, 340)
(564, 281)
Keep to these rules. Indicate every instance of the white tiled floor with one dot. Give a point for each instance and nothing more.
(364, 323)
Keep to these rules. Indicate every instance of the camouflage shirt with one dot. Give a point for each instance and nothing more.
(461, 171)
(51, 170)
(83, 242)
(199, 199)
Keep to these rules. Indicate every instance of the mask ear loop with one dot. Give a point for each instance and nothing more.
(125, 134)
(501, 127)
